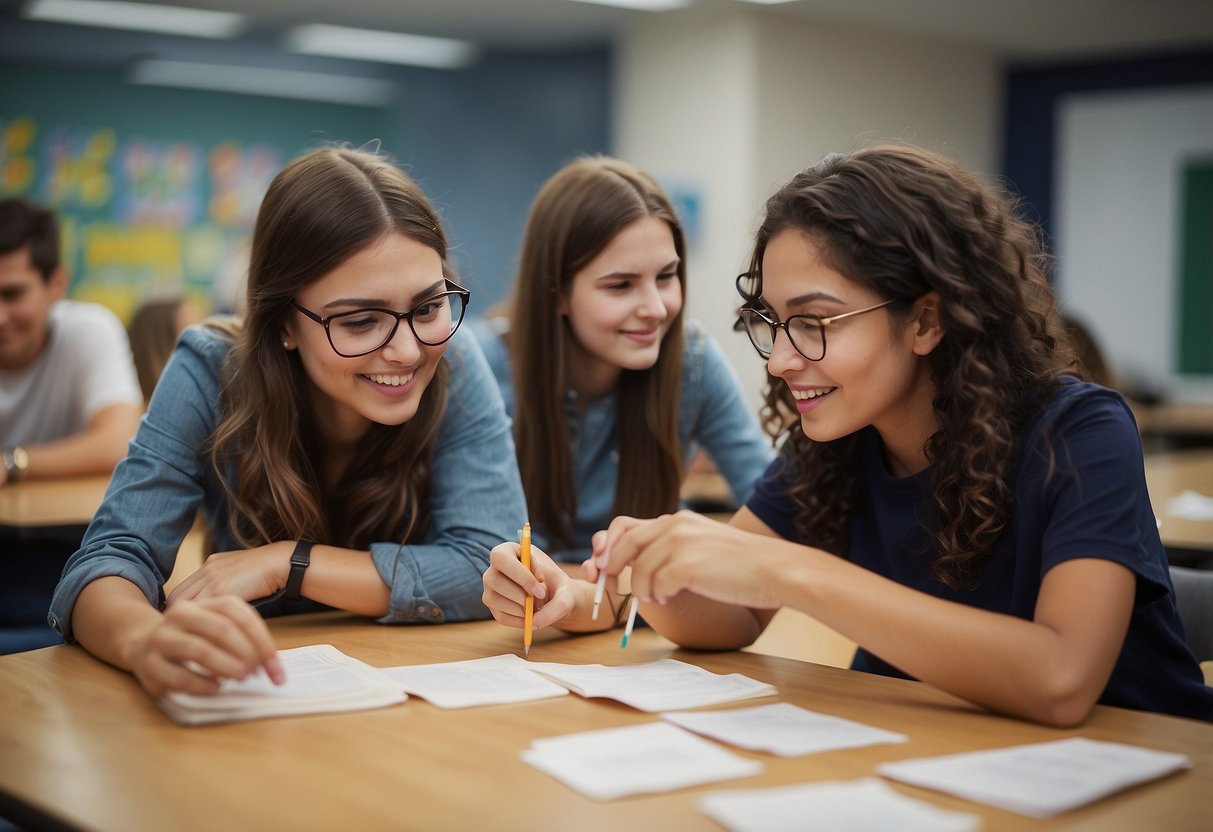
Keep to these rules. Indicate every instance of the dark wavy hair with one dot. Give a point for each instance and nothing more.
(902, 221)
(323, 208)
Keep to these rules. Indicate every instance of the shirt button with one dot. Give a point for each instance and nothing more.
(615, 457)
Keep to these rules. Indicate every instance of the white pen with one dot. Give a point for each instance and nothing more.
(600, 585)
(627, 631)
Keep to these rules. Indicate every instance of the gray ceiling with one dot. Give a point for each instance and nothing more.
(1020, 30)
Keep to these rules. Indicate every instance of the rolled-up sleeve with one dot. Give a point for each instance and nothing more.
(476, 502)
(155, 492)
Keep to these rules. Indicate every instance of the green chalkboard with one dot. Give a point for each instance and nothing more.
(1196, 270)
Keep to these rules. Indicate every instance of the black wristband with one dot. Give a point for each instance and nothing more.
(300, 558)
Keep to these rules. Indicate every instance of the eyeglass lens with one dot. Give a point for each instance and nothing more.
(366, 330)
(806, 333)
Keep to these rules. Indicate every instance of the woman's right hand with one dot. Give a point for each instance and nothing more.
(507, 584)
(198, 643)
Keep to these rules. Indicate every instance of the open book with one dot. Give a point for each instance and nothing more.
(319, 679)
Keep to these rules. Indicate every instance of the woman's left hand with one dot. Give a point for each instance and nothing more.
(689, 552)
(246, 573)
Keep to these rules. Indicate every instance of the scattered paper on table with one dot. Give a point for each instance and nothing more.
(319, 679)
(491, 681)
(783, 729)
(663, 685)
(1039, 780)
(866, 805)
(654, 757)
(1191, 505)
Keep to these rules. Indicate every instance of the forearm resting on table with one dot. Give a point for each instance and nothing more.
(95, 450)
(110, 617)
(1051, 669)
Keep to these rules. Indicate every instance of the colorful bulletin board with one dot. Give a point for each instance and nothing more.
(157, 189)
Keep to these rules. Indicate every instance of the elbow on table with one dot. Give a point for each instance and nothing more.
(1064, 700)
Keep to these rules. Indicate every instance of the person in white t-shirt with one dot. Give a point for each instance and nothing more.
(69, 397)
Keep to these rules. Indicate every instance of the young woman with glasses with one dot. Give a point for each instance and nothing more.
(612, 391)
(949, 495)
(345, 449)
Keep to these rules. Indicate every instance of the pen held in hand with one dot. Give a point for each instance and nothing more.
(529, 615)
(598, 587)
(627, 631)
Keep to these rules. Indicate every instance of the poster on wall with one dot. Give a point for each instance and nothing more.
(142, 218)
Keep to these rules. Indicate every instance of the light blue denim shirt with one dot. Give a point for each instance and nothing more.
(713, 414)
(476, 497)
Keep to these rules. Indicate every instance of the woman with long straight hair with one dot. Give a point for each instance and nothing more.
(612, 391)
(345, 446)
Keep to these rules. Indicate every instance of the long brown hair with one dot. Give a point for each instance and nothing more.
(320, 210)
(902, 222)
(574, 217)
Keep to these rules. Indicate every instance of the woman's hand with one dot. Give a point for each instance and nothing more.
(246, 573)
(195, 644)
(689, 552)
(507, 584)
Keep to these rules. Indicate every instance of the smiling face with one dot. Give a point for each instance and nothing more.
(385, 386)
(873, 372)
(621, 305)
(25, 307)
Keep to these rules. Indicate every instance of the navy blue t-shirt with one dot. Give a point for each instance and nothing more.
(1094, 504)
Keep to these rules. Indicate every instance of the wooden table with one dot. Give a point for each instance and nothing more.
(82, 745)
(1168, 475)
(41, 503)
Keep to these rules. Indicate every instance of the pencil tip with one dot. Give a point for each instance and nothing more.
(526, 651)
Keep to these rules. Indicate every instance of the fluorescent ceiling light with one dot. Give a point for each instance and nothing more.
(641, 5)
(386, 47)
(143, 17)
(277, 83)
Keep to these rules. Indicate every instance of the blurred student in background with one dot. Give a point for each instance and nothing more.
(69, 399)
(948, 496)
(612, 392)
(153, 332)
(346, 447)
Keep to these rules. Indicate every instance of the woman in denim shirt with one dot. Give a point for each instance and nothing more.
(611, 392)
(327, 422)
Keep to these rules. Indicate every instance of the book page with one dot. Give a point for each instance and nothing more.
(865, 805)
(495, 680)
(319, 678)
(1039, 780)
(783, 729)
(662, 685)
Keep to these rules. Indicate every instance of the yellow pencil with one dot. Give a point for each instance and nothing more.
(528, 624)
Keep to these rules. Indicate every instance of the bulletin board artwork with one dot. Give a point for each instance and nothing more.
(142, 217)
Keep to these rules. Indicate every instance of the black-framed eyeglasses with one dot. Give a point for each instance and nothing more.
(362, 331)
(807, 333)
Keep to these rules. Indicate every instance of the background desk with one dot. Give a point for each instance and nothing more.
(1188, 542)
(81, 743)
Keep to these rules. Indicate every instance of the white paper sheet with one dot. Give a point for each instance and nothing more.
(1039, 780)
(654, 757)
(319, 678)
(662, 685)
(866, 805)
(1191, 505)
(783, 729)
(491, 681)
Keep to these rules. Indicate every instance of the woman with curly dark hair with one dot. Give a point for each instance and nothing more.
(949, 493)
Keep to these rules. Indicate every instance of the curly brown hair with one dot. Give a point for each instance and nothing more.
(323, 208)
(903, 221)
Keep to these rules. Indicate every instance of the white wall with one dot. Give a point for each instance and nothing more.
(1119, 164)
(732, 105)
